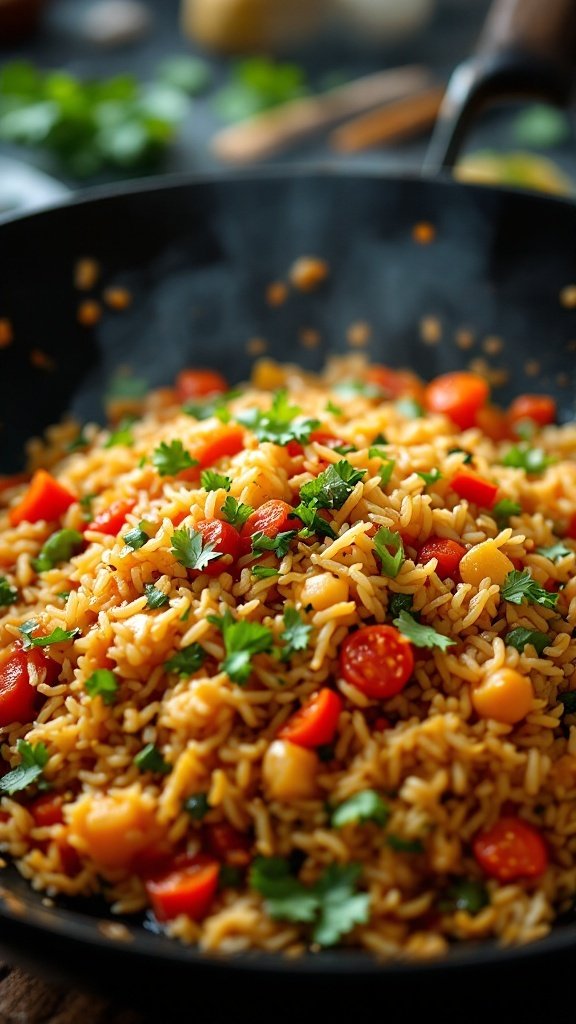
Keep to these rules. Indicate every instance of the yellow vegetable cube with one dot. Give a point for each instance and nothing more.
(289, 771)
(506, 696)
(484, 560)
(323, 591)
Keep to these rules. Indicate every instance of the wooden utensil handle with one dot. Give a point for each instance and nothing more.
(544, 28)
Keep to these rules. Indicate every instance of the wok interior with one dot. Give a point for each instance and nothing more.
(197, 258)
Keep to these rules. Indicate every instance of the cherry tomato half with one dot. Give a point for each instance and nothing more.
(315, 724)
(458, 395)
(541, 409)
(188, 889)
(17, 695)
(378, 660)
(510, 850)
(272, 518)
(226, 541)
(199, 384)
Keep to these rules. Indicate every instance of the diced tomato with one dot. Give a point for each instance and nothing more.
(228, 844)
(510, 850)
(493, 422)
(112, 519)
(17, 696)
(209, 447)
(395, 383)
(226, 541)
(475, 488)
(377, 660)
(272, 518)
(44, 499)
(458, 395)
(448, 552)
(541, 409)
(199, 384)
(69, 857)
(188, 889)
(294, 449)
(47, 810)
(315, 724)
(381, 724)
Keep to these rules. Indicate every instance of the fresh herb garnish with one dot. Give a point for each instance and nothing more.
(356, 388)
(197, 806)
(331, 488)
(333, 408)
(86, 505)
(235, 512)
(518, 585)
(102, 683)
(57, 636)
(404, 845)
(189, 549)
(122, 435)
(387, 466)
(187, 661)
(532, 460)
(400, 603)
(280, 544)
(465, 894)
(281, 424)
(558, 550)
(257, 84)
(419, 635)
(296, 634)
(432, 477)
(137, 537)
(365, 806)
(155, 598)
(461, 451)
(242, 640)
(212, 481)
(31, 769)
(79, 443)
(519, 637)
(64, 595)
(264, 572)
(313, 522)
(210, 407)
(171, 459)
(409, 408)
(391, 563)
(8, 593)
(58, 548)
(503, 509)
(149, 759)
(332, 904)
(569, 702)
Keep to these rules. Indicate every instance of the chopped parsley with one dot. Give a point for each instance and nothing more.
(558, 550)
(432, 477)
(400, 603)
(404, 845)
(365, 806)
(171, 459)
(8, 593)
(155, 598)
(86, 505)
(123, 435)
(149, 759)
(332, 905)
(532, 460)
(281, 424)
(503, 509)
(518, 585)
(313, 522)
(333, 408)
(464, 894)
(189, 549)
(212, 481)
(296, 634)
(519, 637)
(569, 702)
(242, 640)
(31, 769)
(187, 661)
(264, 572)
(331, 488)
(102, 683)
(197, 806)
(137, 537)
(78, 443)
(357, 388)
(409, 408)
(57, 636)
(58, 548)
(280, 544)
(235, 512)
(387, 465)
(419, 635)
(216, 406)
(391, 563)
(461, 451)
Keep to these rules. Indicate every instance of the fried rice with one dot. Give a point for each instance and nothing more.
(138, 779)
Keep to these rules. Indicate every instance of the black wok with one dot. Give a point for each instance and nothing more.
(197, 256)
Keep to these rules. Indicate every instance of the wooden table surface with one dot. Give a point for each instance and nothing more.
(27, 1000)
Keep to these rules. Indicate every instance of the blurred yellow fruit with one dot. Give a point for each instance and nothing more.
(235, 26)
(520, 170)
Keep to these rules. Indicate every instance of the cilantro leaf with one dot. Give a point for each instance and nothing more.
(296, 633)
(432, 477)
(280, 544)
(365, 806)
(532, 460)
(187, 661)
(404, 845)
(31, 768)
(235, 512)
(197, 806)
(122, 435)
(419, 635)
(333, 408)
(313, 522)
(460, 451)
(400, 603)
(286, 899)
(257, 84)
(189, 549)
(390, 563)
(281, 424)
(558, 550)
(212, 481)
(58, 548)
(149, 759)
(79, 443)
(331, 488)
(409, 408)
(464, 894)
(216, 406)
(503, 509)
(264, 572)
(102, 683)
(137, 537)
(386, 470)
(171, 459)
(341, 907)
(519, 637)
(569, 702)
(242, 640)
(518, 585)
(8, 593)
(57, 636)
(155, 598)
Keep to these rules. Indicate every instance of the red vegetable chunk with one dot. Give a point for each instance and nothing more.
(112, 519)
(474, 488)
(17, 695)
(44, 499)
(511, 850)
(226, 541)
(448, 552)
(191, 384)
(377, 660)
(315, 724)
(272, 518)
(459, 396)
(188, 889)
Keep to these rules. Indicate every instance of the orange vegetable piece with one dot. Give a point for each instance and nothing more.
(510, 850)
(458, 395)
(45, 499)
(188, 889)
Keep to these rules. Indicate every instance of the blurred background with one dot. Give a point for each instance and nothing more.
(96, 91)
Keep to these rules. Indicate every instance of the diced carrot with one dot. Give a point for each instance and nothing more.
(45, 499)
